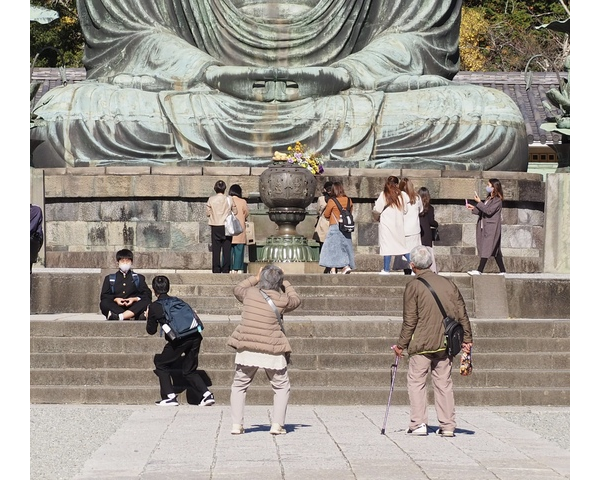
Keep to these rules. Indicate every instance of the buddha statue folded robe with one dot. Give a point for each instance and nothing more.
(228, 82)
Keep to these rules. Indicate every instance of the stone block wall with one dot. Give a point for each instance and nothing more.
(159, 212)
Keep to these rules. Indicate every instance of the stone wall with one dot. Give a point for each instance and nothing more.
(159, 212)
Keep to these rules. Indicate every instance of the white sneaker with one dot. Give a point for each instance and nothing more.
(277, 429)
(384, 272)
(501, 273)
(207, 400)
(474, 272)
(237, 429)
(420, 430)
(167, 402)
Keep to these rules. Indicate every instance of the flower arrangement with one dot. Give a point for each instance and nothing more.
(298, 155)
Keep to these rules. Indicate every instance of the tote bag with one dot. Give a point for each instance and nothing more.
(233, 226)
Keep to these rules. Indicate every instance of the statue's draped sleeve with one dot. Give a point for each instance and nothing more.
(175, 41)
(142, 38)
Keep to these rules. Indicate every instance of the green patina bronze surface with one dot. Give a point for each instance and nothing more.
(227, 82)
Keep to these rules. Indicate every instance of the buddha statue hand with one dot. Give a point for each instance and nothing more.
(277, 84)
(406, 82)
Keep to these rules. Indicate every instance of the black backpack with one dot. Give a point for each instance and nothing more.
(346, 221)
(181, 318)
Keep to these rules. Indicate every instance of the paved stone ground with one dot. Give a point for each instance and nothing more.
(85, 442)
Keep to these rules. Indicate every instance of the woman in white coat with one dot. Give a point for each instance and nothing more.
(389, 206)
(413, 206)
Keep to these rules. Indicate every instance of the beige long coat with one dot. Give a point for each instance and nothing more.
(391, 228)
(242, 215)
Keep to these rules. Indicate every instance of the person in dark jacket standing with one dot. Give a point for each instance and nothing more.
(36, 233)
(184, 349)
(428, 223)
(422, 337)
(125, 294)
(489, 226)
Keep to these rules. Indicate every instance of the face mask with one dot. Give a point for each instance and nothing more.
(124, 267)
(489, 189)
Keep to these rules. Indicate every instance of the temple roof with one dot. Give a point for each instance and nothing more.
(511, 83)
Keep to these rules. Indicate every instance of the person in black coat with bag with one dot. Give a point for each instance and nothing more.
(428, 223)
(427, 218)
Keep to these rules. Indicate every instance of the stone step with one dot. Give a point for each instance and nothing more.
(257, 395)
(531, 295)
(302, 378)
(336, 360)
(311, 327)
(345, 360)
(299, 344)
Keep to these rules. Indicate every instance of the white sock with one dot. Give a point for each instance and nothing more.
(171, 395)
(206, 394)
(121, 318)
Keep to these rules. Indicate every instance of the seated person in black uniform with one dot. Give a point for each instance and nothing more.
(125, 294)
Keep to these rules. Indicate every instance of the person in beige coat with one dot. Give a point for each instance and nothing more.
(260, 342)
(238, 242)
(218, 207)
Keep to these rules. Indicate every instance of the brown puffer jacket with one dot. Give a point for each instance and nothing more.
(259, 330)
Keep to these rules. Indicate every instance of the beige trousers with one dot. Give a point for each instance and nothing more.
(242, 379)
(441, 369)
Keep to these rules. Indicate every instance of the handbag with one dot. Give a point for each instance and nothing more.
(250, 237)
(454, 332)
(288, 355)
(232, 225)
(377, 215)
(435, 234)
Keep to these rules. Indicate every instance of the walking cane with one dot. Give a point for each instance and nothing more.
(387, 410)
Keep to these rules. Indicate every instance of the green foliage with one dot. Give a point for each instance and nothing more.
(511, 39)
(60, 42)
(496, 35)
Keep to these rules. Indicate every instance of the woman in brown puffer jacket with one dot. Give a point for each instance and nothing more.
(260, 342)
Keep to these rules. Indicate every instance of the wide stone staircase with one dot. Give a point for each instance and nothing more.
(341, 337)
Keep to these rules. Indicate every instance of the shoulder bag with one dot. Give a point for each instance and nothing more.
(233, 226)
(288, 355)
(377, 215)
(453, 331)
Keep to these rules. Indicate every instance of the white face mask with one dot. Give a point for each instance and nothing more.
(124, 267)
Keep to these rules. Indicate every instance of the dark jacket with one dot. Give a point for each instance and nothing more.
(125, 288)
(489, 226)
(427, 221)
(36, 222)
(422, 328)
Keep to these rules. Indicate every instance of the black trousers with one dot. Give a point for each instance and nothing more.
(108, 305)
(35, 245)
(221, 249)
(172, 356)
